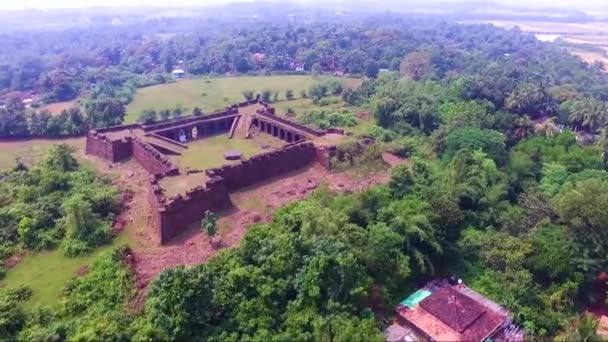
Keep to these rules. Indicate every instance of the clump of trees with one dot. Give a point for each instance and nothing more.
(56, 203)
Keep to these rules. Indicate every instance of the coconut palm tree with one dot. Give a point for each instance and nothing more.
(547, 128)
(581, 328)
(524, 127)
(586, 113)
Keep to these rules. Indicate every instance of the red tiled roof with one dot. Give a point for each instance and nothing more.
(450, 315)
(453, 308)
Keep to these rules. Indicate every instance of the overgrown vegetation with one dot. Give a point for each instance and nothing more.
(505, 186)
(57, 203)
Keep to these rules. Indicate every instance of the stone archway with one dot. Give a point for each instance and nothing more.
(298, 137)
(275, 131)
(289, 137)
(282, 134)
(262, 126)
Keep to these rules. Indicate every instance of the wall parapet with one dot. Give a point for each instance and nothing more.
(265, 165)
(152, 160)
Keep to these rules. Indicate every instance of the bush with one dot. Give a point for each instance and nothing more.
(266, 94)
(323, 120)
(289, 94)
(248, 95)
(147, 116)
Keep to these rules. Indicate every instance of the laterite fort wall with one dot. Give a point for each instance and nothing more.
(266, 165)
(153, 161)
(99, 145)
(172, 216)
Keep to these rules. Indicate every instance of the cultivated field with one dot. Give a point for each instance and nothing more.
(213, 94)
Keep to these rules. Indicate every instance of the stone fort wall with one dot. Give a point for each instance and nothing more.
(99, 145)
(172, 216)
(152, 160)
(265, 165)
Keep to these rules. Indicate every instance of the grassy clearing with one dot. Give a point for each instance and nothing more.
(47, 272)
(209, 152)
(213, 94)
(56, 108)
(31, 151)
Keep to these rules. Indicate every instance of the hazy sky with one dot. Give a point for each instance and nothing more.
(15, 4)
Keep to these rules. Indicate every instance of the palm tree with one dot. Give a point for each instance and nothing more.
(408, 218)
(581, 328)
(586, 113)
(524, 127)
(547, 128)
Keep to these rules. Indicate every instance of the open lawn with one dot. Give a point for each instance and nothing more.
(31, 151)
(212, 94)
(47, 272)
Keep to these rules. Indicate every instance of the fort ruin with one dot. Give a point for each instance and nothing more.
(153, 145)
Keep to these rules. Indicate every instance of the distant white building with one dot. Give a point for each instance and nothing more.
(178, 73)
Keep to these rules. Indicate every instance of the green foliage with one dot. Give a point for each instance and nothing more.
(352, 155)
(470, 138)
(289, 95)
(54, 202)
(248, 95)
(12, 315)
(323, 119)
(147, 116)
(209, 224)
(266, 94)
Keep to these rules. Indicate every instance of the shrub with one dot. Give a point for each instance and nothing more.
(266, 94)
(289, 94)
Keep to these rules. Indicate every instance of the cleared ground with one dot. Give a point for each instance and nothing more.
(590, 56)
(31, 151)
(56, 108)
(212, 94)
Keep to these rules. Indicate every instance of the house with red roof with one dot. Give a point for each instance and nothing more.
(448, 310)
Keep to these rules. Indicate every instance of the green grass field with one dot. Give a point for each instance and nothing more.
(47, 272)
(209, 152)
(212, 94)
(31, 151)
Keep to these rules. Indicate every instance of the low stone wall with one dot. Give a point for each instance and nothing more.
(266, 165)
(174, 215)
(99, 145)
(152, 160)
